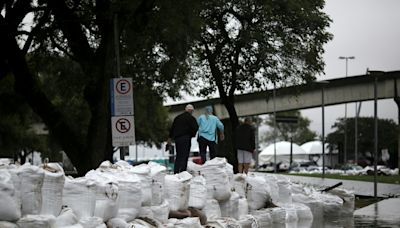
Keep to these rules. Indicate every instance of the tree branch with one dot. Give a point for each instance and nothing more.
(35, 30)
(72, 30)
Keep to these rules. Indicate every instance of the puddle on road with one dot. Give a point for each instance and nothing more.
(348, 222)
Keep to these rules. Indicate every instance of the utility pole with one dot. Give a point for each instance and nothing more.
(345, 112)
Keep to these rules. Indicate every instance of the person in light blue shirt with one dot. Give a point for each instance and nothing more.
(207, 137)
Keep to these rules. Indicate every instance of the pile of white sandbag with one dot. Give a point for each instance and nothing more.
(121, 195)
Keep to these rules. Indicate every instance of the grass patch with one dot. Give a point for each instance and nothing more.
(363, 201)
(395, 179)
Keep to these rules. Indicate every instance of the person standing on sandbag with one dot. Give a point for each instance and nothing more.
(245, 144)
(183, 128)
(208, 126)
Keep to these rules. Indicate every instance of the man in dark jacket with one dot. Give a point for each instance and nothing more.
(183, 128)
(246, 144)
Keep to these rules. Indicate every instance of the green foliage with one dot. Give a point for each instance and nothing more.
(245, 45)
(387, 136)
(299, 132)
(16, 122)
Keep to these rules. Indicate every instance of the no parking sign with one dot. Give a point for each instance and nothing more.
(123, 130)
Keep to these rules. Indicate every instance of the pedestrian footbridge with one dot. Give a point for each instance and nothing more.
(336, 91)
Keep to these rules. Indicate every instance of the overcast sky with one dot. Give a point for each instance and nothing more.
(369, 30)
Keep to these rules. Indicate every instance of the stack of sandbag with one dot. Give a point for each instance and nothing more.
(332, 204)
(177, 190)
(316, 205)
(129, 189)
(257, 192)
(230, 207)
(348, 200)
(52, 189)
(193, 168)
(31, 178)
(37, 221)
(143, 172)
(197, 192)
(272, 183)
(106, 188)
(157, 174)
(10, 209)
(79, 194)
(240, 184)
(189, 222)
(158, 208)
(217, 177)
(212, 209)
(285, 190)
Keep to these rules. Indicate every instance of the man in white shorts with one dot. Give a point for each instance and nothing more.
(245, 144)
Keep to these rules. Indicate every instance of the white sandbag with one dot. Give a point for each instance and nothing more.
(193, 168)
(224, 223)
(146, 223)
(146, 212)
(122, 164)
(79, 194)
(243, 207)
(161, 212)
(106, 200)
(217, 177)
(303, 211)
(157, 173)
(348, 200)
(129, 196)
(118, 223)
(143, 172)
(37, 221)
(278, 215)
(240, 184)
(316, 205)
(106, 194)
(92, 222)
(285, 191)
(52, 189)
(272, 182)
(66, 218)
(332, 204)
(248, 221)
(189, 222)
(212, 209)
(31, 189)
(197, 192)
(5, 224)
(9, 208)
(257, 192)
(230, 208)
(177, 190)
(291, 212)
(263, 217)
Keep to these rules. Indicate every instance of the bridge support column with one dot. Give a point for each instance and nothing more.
(397, 100)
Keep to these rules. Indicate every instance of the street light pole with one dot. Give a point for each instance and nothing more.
(376, 74)
(323, 83)
(345, 112)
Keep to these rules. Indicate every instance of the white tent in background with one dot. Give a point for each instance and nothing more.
(314, 147)
(282, 153)
(314, 150)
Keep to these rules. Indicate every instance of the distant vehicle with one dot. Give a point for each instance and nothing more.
(301, 165)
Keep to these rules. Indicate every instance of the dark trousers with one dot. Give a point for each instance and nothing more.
(182, 144)
(203, 144)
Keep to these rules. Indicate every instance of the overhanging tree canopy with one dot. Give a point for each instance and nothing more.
(154, 37)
